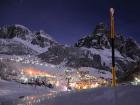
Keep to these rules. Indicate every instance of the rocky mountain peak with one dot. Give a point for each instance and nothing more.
(16, 30)
(100, 29)
(42, 39)
(98, 39)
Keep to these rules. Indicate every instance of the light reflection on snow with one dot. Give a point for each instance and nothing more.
(5, 92)
(31, 100)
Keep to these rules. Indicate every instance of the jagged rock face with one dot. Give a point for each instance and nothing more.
(101, 38)
(71, 56)
(98, 39)
(42, 41)
(11, 31)
(11, 47)
(132, 72)
(132, 49)
(19, 40)
(100, 29)
(95, 51)
(127, 47)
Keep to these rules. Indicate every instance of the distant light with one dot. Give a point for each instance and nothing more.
(57, 83)
(24, 79)
(137, 79)
(65, 88)
(112, 11)
(30, 72)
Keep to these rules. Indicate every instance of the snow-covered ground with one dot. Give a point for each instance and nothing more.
(10, 90)
(122, 95)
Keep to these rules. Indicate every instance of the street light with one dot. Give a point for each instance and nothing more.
(113, 47)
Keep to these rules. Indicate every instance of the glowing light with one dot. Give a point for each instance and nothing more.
(112, 11)
(30, 72)
(94, 85)
(24, 79)
(137, 79)
(49, 94)
(35, 73)
(73, 85)
(57, 84)
(64, 88)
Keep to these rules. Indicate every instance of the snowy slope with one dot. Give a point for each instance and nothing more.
(12, 90)
(36, 48)
(13, 47)
(105, 54)
(98, 73)
(21, 38)
(122, 95)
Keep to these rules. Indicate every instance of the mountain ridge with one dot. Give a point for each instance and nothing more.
(95, 51)
(36, 42)
(90, 51)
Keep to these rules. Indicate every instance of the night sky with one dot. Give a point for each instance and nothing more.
(68, 20)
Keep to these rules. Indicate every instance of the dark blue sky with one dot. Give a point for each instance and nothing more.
(68, 20)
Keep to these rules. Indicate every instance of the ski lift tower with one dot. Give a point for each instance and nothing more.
(113, 47)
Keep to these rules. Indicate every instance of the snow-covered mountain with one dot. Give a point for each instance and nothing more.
(19, 40)
(100, 39)
(95, 51)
